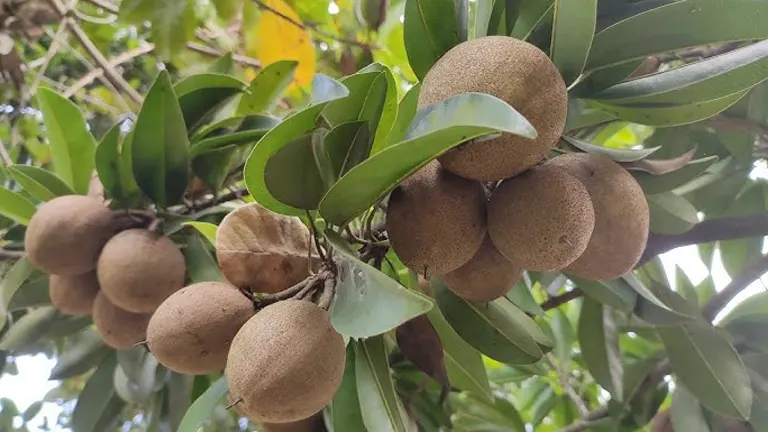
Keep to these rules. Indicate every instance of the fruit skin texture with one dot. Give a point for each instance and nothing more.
(191, 331)
(67, 233)
(312, 424)
(516, 72)
(486, 277)
(542, 219)
(74, 295)
(119, 328)
(285, 363)
(621, 216)
(139, 269)
(436, 220)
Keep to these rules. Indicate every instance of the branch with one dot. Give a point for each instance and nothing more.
(212, 52)
(707, 231)
(567, 388)
(96, 73)
(314, 27)
(233, 195)
(561, 299)
(6, 255)
(109, 7)
(749, 274)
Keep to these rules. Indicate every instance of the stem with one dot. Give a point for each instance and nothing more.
(268, 299)
(315, 236)
(6, 255)
(307, 291)
(749, 274)
(563, 377)
(231, 196)
(329, 290)
(561, 299)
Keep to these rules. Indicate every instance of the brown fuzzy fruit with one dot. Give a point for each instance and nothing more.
(621, 216)
(139, 269)
(486, 277)
(285, 363)
(74, 295)
(191, 331)
(516, 72)
(541, 219)
(119, 328)
(262, 250)
(67, 233)
(436, 220)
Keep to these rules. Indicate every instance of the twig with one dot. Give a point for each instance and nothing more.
(231, 196)
(579, 402)
(749, 274)
(115, 62)
(329, 290)
(212, 52)
(561, 299)
(5, 157)
(109, 7)
(87, 98)
(58, 40)
(268, 299)
(6, 255)
(315, 236)
(314, 27)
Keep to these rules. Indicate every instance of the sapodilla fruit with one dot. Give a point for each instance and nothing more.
(285, 363)
(542, 219)
(486, 277)
(516, 72)
(74, 295)
(138, 269)
(118, 328)
(312, 424)
(436, 220)
(621, 216)
(191, 331)
(67, 233)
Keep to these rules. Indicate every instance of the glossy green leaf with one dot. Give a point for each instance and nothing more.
(213, 167)
(572, 32)
(521, 296)
(11, 281)
(496, 329)
(619, 155)
(201, 95)
(41, 184)
(615, 294)
(266, 88)
(87, 352)
(113, 165)
(345, 406)
(28, 328)
(135, 384)
(367, 301)
(599, 346)
(462, 362)
(530, 14)
(709, 366)
(754, 309)
(98, 405)
(201, 265)
(655, 184)
(483, 12)
(71, 143)
(173, 23)
(476, 414)
(686, 413)
(543, 405)
(677, 25)
(671, 214)
(597, 80)
(226, 63)
(203, 406)
(160, 148)
(758, 418)
(383, 113)
(15, 206)
(406, 111)
(292, 127)
(430, 30)
(564, 338)
(32, 293)
(207, 229)
(345, 144)
(233, 132)
(674, 310)
(292, 175)
(379, 403)
(440, 128)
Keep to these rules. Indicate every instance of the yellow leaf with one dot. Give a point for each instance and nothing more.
(279, 39)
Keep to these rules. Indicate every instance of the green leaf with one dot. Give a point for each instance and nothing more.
(113, 164)
(572, 32)
(160, 147)
(521, 296)
(530, 14)
(497, 329)
(543, 405)
(383, 118)
(755, 309)
(655, 184)
(207, 229)
(462, 362)
(367, 301)
(71, 143)
(564, 338)
(87, 352)
(677, 25)
(475, 414)
(686, 413)
(616, 293)
(12, 280)
(345, 144)
(201, 95)
(226, 63)
(441, 127)
(429, 32)
(15, 206)
(483, 12)
(671, 214)
(173, 23)
(379, 403)
(266, 88)
(96, 407)
(32, 411)
(406, 111)
(298, 124)
(28, 328)
(41, 184)
(345, 406)
(203, 406)
(231, 133)
(201, 265)
(599, 345)
(213, 167)
(618, 155)
(709, 366)
(32, 293)
(136, 384)
(597, 80)
(292, 175)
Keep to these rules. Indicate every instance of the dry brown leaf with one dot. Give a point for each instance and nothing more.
(262, 250)
(662, 166)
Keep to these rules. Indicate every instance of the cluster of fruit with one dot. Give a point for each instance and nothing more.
(489, 209)
(283, 364)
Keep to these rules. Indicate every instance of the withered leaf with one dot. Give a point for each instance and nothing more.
(421, 345)
(662, 166)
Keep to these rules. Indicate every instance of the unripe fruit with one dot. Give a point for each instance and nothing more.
(191, 331)
(139, 269)
(285, 363)
(74, 295)
(119, 328)
(67, 233)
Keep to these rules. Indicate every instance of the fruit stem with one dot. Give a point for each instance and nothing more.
(310, 288)
(329, 290)
(315, 236)
(234, 403)
(268, 299)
